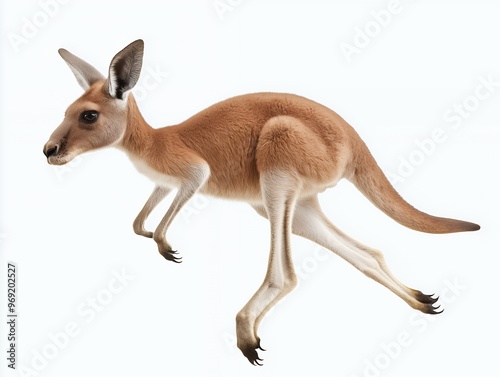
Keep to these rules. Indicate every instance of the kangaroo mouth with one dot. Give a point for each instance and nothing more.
(59, 154)
(61, 158)
(58, 160)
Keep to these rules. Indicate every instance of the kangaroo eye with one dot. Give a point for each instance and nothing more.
(89, 116)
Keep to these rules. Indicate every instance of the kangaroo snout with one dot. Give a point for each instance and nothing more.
(57, 153)
(50, 149)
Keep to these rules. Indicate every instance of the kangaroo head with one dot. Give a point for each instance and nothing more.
(99, 117)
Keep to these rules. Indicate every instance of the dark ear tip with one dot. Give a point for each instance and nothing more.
(62, 51)
(139, 43)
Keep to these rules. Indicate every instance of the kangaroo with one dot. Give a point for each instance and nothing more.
(274, 151)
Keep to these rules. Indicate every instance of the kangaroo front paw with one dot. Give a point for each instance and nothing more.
(144, 233)
(249, 350)
(139, 228)
(169, 254)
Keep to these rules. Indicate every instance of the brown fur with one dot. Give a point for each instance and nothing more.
(275, 151)
(246, 135)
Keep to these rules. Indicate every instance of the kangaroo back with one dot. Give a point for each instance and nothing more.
(371, 181)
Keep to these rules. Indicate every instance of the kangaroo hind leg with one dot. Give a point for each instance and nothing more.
(279, 194)
(310, 222)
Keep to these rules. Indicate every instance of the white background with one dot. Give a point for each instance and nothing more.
(70, 230)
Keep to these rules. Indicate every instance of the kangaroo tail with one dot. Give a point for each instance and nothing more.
(371, 181)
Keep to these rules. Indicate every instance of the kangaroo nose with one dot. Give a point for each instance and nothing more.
(50, 149)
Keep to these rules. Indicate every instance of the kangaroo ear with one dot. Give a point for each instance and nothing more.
(85, 74)
(125, 69)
